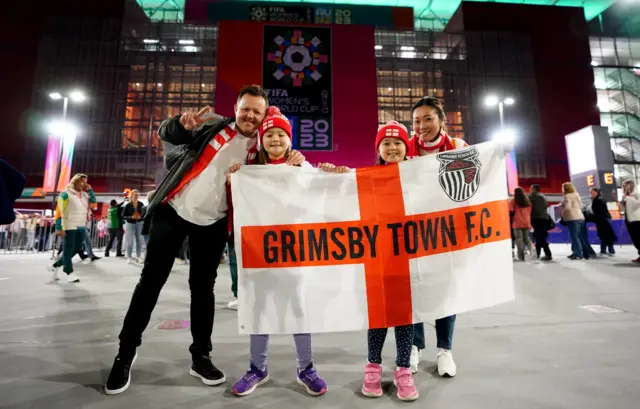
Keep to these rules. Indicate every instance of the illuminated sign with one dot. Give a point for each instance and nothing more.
(383, 16)
(608, 178)
(590, 181)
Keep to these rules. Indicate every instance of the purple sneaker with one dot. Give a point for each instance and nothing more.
(250, 381)
(311, 381)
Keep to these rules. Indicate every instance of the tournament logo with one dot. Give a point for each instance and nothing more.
(459, 173)
(297, 58)
(258, 13)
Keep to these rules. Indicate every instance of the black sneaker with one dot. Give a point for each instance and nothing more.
(207, 372)
(94, 258)
(120, 376)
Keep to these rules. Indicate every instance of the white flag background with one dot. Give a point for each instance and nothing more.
(465, 191)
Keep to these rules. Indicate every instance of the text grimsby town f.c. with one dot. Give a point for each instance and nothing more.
(342, 242)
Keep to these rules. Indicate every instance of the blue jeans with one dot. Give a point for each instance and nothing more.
(579, 243)
(444, 333)
(133, 231)
(87, 243)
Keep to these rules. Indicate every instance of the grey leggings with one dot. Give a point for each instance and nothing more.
(259, 347)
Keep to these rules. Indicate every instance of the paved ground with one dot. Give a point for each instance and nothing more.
(57, 342)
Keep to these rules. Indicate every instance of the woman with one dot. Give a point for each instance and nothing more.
(574, 218)
(631, 206)
(521, 208)
(430, 137)
(132, 214)
(73, 207)
(601, 217)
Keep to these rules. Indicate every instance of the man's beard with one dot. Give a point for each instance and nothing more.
(250, 134)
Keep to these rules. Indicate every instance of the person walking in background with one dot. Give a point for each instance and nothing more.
(86, 233)
(631, 206)
(573, 216)
(540, 221)
(71, 221)
(114, 224)
(132, 214)
(521, 208)
(602, 218)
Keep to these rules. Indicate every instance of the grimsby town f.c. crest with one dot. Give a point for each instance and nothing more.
(459, 173)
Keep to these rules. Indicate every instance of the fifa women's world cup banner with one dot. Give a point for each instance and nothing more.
(376, 247)
(296, 74)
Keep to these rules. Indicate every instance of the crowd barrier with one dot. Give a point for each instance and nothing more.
(32, 235)
(561, 234)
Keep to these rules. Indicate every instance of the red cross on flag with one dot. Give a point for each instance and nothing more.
(378, 247)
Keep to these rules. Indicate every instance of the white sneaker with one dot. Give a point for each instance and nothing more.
(233, 305)
(54, 272)
(416, 354)
(73, 278)
(446, 365)
(129, 260)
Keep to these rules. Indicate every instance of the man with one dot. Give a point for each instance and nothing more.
(191, 202)
(11, 186)
(114, 224)
(540, 221)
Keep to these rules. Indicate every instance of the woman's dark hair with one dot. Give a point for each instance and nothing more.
(520, 198)
(437, 106)
(597, 190)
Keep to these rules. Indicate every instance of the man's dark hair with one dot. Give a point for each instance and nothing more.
(113, 202)
(254, 90)
(535, 187)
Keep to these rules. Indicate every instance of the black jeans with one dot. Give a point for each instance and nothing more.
(633, 228)
(167, 233)
(540, 234)
(113, 235)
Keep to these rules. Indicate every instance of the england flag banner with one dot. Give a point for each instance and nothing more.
(375, 247)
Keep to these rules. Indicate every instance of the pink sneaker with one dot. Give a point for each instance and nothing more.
(372, 386)
(403, 380)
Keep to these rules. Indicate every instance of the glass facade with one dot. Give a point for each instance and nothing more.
(137, 73)
(616, 70)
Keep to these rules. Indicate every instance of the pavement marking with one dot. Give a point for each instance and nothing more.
(34, 317)
(4, 278)
(600, 309)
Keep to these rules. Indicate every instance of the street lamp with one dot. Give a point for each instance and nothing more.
(506, 137)
(493, 100)
(63, 130)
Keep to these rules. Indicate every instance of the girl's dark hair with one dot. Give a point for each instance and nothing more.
(380, 161)
(437, 106)
(597, 190)
(521, 198)
(262, 157)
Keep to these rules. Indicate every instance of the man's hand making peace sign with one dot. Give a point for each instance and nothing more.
(191, 120)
